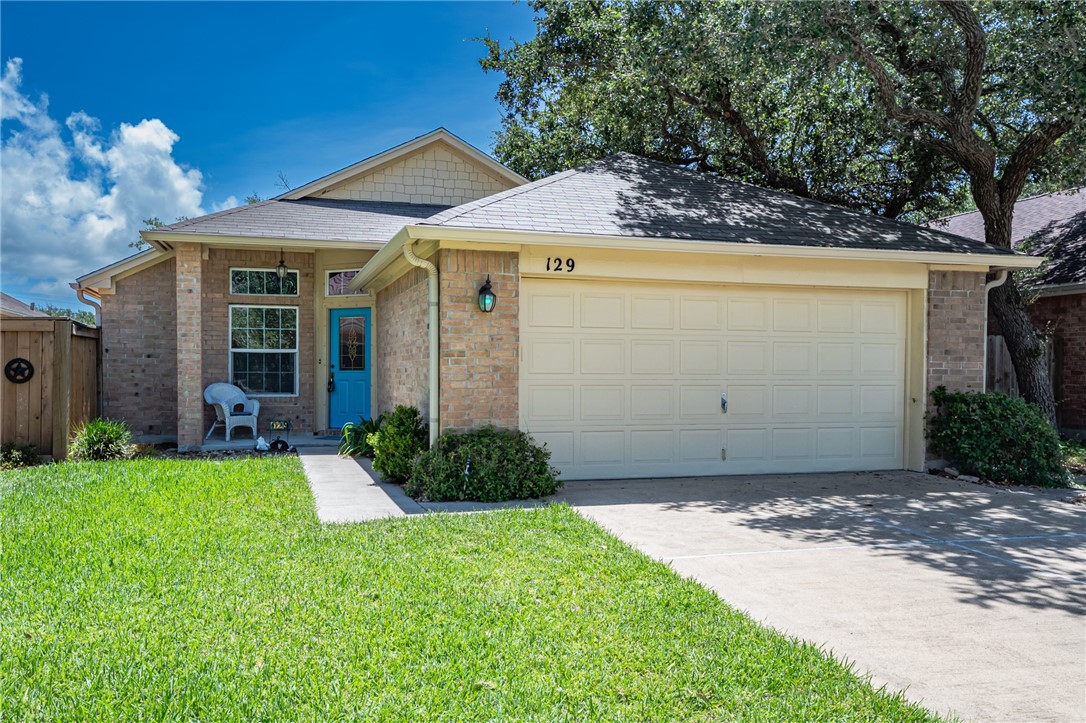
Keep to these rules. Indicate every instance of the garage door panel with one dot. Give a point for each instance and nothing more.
(792, 358)
(835, 442)
(879, 442)
(652, 312)
(551, 403)
(700, 445)
(748, 314)
(814, 379)
(603, 311)
(837, 400)
(747, 357)
(602, 447)
(879, 359)
(748, 401)
(603, 403)
(550, 310)
(603, 356)
(560, 445)
(793, 315)
(652, 402)
(648, 446)
(652, 356)
(700, 313)
(879, 318)
(701, 356)
(699, 401)
(790, 401)
(747, 444)
(550, 355)
(789, 443)
(836, 316)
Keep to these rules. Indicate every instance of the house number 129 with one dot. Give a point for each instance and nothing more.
(560, 264)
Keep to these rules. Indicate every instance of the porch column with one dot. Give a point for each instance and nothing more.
(190, 367)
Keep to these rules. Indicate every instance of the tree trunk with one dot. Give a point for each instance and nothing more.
(1025, 346)
(1023, 342)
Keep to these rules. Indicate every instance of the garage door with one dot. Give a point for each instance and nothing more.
(628, 380)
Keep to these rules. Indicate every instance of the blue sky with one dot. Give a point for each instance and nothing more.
(169, 109)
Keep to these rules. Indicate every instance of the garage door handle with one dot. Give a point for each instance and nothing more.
(724, 402)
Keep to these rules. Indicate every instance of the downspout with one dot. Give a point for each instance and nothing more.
(435, 350)
(82, 295)
(997, 281)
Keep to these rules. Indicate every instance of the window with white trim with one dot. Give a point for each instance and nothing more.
(263, 282)
(264, 349)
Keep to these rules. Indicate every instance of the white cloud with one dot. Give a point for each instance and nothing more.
(230, 202)
(69, 206)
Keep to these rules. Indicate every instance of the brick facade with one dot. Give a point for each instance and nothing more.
(190, 390)
(956, 309)
(401, 344)
(217, 300)
(1064, 317)
(139, 351)
(479, 352)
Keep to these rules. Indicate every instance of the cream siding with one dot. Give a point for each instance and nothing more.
(437, 174)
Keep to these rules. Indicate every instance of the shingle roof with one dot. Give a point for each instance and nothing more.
(310, 219)
(11, 306)
(626, 195)
(1052, 225)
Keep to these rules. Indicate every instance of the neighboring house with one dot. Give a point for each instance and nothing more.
(635, 301)
(1052, 226)
(10, 306)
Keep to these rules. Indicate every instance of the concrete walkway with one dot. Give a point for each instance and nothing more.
(347, 491)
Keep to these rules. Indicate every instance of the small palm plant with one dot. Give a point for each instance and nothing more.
(356, 436)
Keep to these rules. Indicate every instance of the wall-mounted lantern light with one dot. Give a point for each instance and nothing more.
(281, 269)
(487, 297)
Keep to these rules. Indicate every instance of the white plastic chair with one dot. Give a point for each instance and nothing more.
(232, 408)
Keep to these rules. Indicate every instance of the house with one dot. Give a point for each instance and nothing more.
(1052, 226)
(12, 307)
(647, 320)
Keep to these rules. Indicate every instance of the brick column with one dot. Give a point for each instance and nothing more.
(956, 312)
(479, 352)
(190, 392)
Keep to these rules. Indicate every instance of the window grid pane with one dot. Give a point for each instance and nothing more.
(263, 343)
(261, 282)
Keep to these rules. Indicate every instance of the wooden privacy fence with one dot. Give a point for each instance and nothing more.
(50, 381)
(1001, 376)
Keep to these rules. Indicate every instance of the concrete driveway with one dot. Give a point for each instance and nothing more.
(969, 598)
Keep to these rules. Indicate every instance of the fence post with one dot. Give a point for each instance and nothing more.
(62, 386)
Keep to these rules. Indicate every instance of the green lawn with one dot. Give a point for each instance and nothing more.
(165, 590)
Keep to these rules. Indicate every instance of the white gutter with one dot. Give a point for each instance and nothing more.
(997, 281)
(435, 350)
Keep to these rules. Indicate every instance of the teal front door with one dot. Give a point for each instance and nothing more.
(349, 359)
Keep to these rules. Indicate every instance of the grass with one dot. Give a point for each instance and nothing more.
(167, 589)
(1074, 456)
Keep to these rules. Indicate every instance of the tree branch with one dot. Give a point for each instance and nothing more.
(720, 108)
(965, 100)
(1032, 147)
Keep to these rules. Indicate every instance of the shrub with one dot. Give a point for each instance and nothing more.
(486, 465)
(14, 456)
(996, 437)
(356, 437)
(401, 438)
(101, 439)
